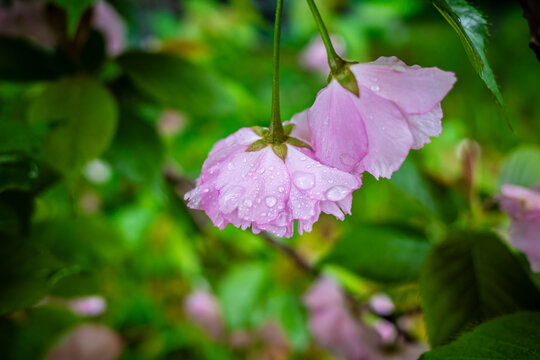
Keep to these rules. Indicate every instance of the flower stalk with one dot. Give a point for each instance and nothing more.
(276, 133)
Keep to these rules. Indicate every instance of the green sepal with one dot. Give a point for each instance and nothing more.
(259, 130)
(298, 143)
(280, 150)
(257, 145)
(346, 78)
(288, 128)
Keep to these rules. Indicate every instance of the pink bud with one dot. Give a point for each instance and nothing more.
(112, 26)
(88, 306)
(87, 342)
(382, 304)
(314, 56)
(203, 309)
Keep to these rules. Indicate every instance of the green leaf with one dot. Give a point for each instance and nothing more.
(74, 10)
(81, 115)
(468, 279)
(171, 80)
(135, 133)
(240, 291)
(510, 337)
(409, 180)
(27, 273)
(17, 172)
(28, 62)
(381, 253)
(471, 27)
(521, 167)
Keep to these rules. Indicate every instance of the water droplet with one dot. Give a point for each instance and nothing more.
(260, 170)
(303, 181)
(248, 203)
(374, 87)
(206, 190)
(270, 201)
(230, 166)
(244, 160)
(330, 181)
(303, 158)
(281, 189)
(347, 160)
(337, 193)
(271, 168)
(263, 214)
(398, 68)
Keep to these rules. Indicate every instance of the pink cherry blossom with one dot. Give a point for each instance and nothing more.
(204, 310)
(314, 56)
(523, 207)
(398, 109)
(88, 306)
(331, 323)
(261, 190)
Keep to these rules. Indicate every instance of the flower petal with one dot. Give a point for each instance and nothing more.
(414, 89)
(424, 126)
(338, 134)
(388, 134)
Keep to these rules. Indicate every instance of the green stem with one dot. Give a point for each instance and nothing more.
(277, 134)
(334, 60)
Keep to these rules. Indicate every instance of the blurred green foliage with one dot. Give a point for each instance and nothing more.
(97, 151)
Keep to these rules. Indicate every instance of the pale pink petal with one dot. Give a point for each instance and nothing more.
(301, 127)
(234, 143)
(424, 126)
(204, 310)
(523, 207)
(331, 323)
(338, 135)
(414, 89)
(388, 135)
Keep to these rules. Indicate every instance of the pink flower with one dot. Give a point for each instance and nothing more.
(314, 56)
(204, 310)
(398, 109)
(88, 306)
(523, 207)
(112, 26)
(331, 323)
(259, 189)
(382, 304)
(87, 341)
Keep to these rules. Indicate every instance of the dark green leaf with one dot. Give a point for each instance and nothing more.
(257, 145)
(521, 167)
(17, 172)
(28, 62)
(81, 115)
(468, 279)
(239, 292)
(27, 273)
(134, 133)
(470, 25)
(510, 337)
(381, 253)
(171, 80)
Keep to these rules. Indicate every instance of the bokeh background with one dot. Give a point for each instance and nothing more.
(97, 242)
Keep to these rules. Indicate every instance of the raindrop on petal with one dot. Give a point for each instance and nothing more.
(337, 193)
(304, 181)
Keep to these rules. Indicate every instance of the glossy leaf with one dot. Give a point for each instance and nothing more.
(171, 80)
(510, 337)
(468, 279)
(470, 25)
(81, 115)
(521, 167)
(381, 253)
